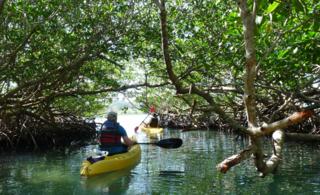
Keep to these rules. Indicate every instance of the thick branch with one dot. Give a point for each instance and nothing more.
(233, 160)
(174, 79)
(248, 21)
(281, 124)
(251, 62)
(165, 45)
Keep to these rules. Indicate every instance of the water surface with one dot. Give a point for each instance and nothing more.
(189, 169)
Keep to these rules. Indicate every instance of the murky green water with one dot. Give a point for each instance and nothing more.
(189, 169)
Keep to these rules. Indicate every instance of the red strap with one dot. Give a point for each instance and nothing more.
(110, 138)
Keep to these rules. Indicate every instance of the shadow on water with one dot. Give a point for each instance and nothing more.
(171, 173)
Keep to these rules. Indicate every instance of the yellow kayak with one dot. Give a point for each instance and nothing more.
(152, 130)
(112, 163)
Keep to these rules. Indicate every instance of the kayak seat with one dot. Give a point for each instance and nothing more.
(115, 150)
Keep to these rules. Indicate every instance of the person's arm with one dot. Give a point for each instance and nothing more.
(128, 141)
(125, 137)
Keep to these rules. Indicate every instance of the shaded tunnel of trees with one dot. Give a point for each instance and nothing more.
(250, 67)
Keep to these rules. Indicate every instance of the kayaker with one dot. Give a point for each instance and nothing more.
(154, 121)
(111, 134)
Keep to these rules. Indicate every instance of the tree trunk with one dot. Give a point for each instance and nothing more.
(256, 131)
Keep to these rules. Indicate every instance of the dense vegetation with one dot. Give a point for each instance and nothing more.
(64, 60)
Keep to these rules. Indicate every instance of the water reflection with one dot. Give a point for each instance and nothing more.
(109, 183)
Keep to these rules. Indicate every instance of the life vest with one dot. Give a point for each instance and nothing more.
(110, 135)
(154, 122)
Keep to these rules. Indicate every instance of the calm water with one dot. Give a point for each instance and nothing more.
(189, 169)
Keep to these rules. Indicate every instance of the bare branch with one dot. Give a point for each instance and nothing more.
(233, 160)
(281, 124)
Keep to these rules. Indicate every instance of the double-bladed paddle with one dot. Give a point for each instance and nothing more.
(167, 143)
(137, 127)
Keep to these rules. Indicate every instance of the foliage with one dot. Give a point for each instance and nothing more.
(69, 56)
(57, 54)
(207, 51)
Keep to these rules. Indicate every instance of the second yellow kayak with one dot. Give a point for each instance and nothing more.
(152, 130)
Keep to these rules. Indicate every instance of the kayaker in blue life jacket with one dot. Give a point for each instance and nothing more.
(111, 134)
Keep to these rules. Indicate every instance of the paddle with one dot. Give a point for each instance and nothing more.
(137, 127)
(167, 143)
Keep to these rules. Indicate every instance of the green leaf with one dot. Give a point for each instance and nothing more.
(272, 7)
(282, 53)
